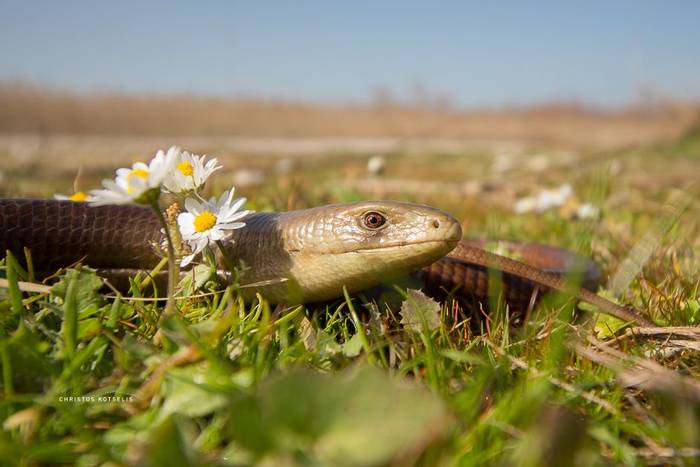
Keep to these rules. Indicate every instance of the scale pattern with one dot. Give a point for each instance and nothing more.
(60, 233)
(465, 278)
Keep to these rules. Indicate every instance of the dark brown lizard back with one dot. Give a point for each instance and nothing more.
(59, 233)
(468, 282)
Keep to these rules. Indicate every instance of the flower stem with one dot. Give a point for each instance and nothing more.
(173, 272)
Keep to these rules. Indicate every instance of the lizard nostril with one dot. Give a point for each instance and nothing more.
(436, 224)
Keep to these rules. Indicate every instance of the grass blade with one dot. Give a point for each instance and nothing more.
(13, 284)
(70, 320)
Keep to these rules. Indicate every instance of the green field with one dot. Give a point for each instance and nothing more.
(94, 380)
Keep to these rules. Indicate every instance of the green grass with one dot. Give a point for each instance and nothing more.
(352, 383)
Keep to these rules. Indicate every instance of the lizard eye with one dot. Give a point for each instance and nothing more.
(373, 220)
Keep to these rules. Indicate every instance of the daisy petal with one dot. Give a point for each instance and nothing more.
(193, 206)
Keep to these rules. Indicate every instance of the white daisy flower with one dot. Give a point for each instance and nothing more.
(209, 221)
(191, 172)
(544, 200)
(139, 183)
(78, 197)
(548, 199)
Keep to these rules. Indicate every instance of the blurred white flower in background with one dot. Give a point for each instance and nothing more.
(376, 164)
(544, 200)
(135, 185)
(587, 211)
(525, 205)
(548, 199)
(562, 198)
(190, 173)
(209, 221)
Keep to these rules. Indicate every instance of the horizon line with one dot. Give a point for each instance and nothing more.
(647, 98)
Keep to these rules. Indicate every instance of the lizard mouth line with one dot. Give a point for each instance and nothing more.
(380, 247)
(400, 245)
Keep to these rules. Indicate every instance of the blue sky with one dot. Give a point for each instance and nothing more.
(500, 54)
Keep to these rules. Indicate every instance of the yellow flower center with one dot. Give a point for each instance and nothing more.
(78, 196)
(143, 173)
(185, 168)
(205, 220)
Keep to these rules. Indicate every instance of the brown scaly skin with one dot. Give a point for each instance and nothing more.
(466, 270)
(314, 251)
(467, 281)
